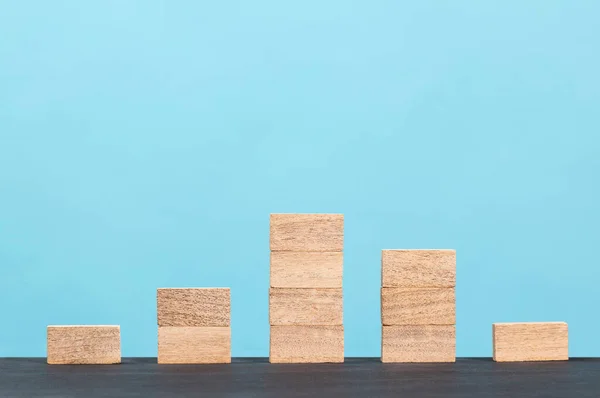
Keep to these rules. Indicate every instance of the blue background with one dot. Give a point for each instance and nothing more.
(143, 144)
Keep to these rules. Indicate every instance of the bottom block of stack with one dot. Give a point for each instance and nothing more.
(530, 341)
(306, 344)
(74, 345)
(418, 343)
(194, 344)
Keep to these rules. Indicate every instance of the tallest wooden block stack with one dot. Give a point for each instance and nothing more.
(305, 299)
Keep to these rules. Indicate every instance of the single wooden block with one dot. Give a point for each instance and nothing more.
(305, 306)
(193, 307)
(418, 268)
(81, 344)
(194, 344)
(530, 341)
(307, 269)
(307, 232)
(418, 306)
(306, 344)
(418, 343)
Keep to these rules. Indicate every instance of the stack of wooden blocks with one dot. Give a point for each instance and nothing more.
(194, 325)
(418, 305)
(305, 298)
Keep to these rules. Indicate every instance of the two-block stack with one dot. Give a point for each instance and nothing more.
(305, 298)
(194, 325)
(418, 305)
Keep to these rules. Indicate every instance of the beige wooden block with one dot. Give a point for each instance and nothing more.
(305, 306)
(194, 344)
(418, 268)
(306, 344)
(307, 232)
(418, 306)
(82, 344)
(530, 341)
(418, 343)
(307, 269)
(193, 307)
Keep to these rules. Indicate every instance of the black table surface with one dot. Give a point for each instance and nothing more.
(256, 377)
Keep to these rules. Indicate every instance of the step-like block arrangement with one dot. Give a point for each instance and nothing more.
(194, 325)
(418, 305)
(305, 299)
(530, 341)
(84, 345)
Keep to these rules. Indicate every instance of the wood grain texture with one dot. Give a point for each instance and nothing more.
(418, 306)
(532, 341)
(193, 344)
(307, 269)
(418, 343)
(74, 345)
(418, 268)
(306, 344)
(305, 306)
(193, 307)
(307, 232)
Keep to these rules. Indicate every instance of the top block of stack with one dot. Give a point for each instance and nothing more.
(418, 268)
(307, 232)
(193, 307)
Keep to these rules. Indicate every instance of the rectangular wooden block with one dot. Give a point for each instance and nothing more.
(193, 307)
(418, 268)
(531, 341)
(307, 232)
(194, 344)
(307, 269)
(418, 343)
(82, 344)
(305, 306)
(418, 306)
(306, 344)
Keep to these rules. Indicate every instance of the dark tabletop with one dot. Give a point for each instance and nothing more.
(255, 377)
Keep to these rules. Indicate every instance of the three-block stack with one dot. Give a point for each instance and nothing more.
(194, 325)
(418, 305)
(305, 298)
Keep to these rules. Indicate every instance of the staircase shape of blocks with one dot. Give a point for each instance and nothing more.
(194, 325)
(418, 305)
(305, 297)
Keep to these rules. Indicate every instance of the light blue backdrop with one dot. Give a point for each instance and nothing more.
(143, 144)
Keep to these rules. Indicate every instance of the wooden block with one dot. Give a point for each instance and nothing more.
(193, 307)
(533, 341)
(305, 306)
(93, 344)
(307, 269)
(306, 344)
(194, 344)
(418, 306)
(418, 343)
(418, 268)
(307, 232)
